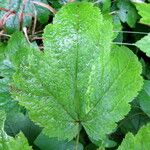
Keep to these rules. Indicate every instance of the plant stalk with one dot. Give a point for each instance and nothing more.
(77, 141)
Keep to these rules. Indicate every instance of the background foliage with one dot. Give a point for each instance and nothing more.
(131, 26)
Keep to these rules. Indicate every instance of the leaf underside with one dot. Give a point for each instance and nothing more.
(80, 79)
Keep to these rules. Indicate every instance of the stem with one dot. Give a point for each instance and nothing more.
(35, 20)
(71, 0)
(119, 43)
(131, 32)
(45, 6)
(77, 141)
(2, 34)
(26, 34)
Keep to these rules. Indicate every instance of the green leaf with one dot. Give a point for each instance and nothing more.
(134, 120)
(105, 144)
(5, 75)
(16, 122)
(17, 49)
(2, 118)
(22, 13)
(127, 12)
(91, 147)
(143, 10)
(146, 69)
(7, 55)
(57, 4)
(78, 80)
(144, 98)
(103, 4)
(10, 143)
(114, 99)
(138, 142)
(144, 44)
(42, 13)
(46, 143)
(106, 5)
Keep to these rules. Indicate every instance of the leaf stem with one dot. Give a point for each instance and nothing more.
(119, 43)
(45, 6)
(26, 34)
(77, 141)
(131, 32)
(71, 0)
(2, 34)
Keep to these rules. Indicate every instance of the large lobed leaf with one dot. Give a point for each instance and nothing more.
(138, 142)
(80, 79)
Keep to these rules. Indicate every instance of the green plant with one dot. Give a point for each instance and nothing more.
(80, 85)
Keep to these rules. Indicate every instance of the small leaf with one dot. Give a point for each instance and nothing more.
(144, 98)
(143, 10)
(144, 44)
(134, 120)
(138, 142)
(127, 12)
(106, 144)
(10, 143)
(16, 122)
(104, 5)
(46, 143)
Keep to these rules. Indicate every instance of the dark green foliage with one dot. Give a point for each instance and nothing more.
(65, 81)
